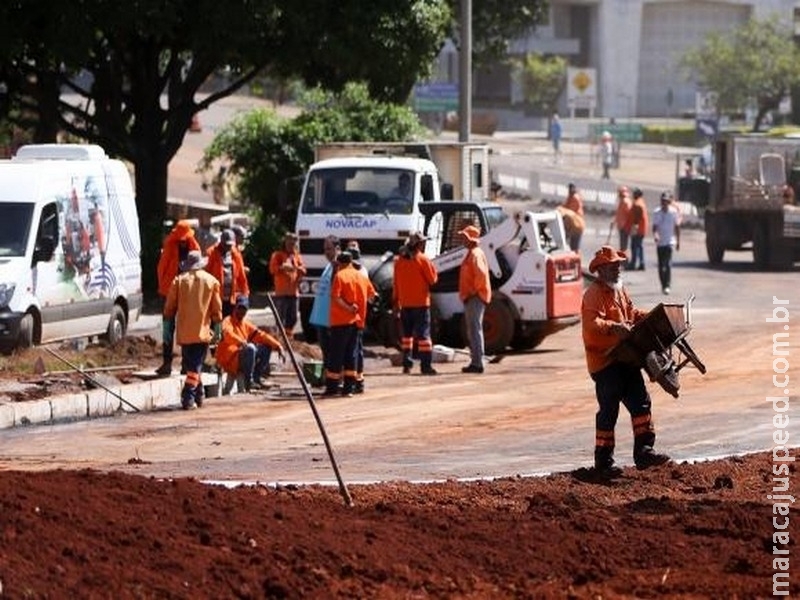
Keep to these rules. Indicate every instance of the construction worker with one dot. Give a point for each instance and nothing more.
(355, 251)
(174, 251)
(350, 292)
(475, 291)
(638, 224)
(225, 262)
(622, 217)
(244, 350)
(607, 316)
(573, 214)
(414, 274)
(321, 309)
(194, 297)
(287, 269)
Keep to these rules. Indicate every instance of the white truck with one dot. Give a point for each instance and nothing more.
(372, 192)
(537, 282)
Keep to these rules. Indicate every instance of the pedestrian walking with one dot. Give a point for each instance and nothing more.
(607, 316)
(174, 252)
(555, 137)
(606, 153)
(287, 269)
(475, 291)
(666, 235)
(194, 297)
(414, 274)
(225, 262)
(638, 223)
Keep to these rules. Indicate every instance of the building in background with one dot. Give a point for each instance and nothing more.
(633, 46)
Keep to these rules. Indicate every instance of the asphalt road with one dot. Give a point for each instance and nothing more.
(529, 413)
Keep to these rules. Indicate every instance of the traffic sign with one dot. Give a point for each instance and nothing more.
(436, 97)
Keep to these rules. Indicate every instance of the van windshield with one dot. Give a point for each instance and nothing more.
(14, 228)
(359, 191)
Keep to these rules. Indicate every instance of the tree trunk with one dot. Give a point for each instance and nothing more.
(151, 203)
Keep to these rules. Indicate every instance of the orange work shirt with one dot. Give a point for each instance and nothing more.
(168, 261)
(286, 282)
(602, 307)
(473, 277)
(623, 215)
(574, 202)
(236, 333)
(194, 298)
(239, 285)
(354, 288)
(639, 222)
(413, 277)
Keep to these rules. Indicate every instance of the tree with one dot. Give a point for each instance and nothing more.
(542, 80)
(757, 63)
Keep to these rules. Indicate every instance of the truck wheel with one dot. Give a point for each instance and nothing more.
(25, 339)
(761, 246)
(117, 326)
(714, 248)
(498, 326)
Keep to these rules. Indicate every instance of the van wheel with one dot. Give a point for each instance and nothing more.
(25, 339)
(117, 326)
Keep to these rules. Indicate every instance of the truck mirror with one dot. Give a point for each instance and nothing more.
(447, 191)
(45, 247)
(426, 188)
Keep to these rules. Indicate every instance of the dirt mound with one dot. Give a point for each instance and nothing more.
(678, 531)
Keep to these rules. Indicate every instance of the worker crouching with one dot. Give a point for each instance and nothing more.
(607, 315)
(244, 351)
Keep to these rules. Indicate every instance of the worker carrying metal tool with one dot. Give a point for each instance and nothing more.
(608, 315)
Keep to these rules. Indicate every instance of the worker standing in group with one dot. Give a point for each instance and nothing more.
(321, 309)
(622, 217)
(638, 224)
(174, 251)
(607, 316)
(244, 350)
(194, 297)
(475, 291)
(349, 296)
(287, 269)
(572, 213)
(225, 262)
(414, 274)
(355, 251)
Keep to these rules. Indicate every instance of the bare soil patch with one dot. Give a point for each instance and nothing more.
(680, 531)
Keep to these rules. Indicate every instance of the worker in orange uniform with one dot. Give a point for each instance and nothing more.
(414, 274)
(194, 298)
(622, 217)
(638, 223)
(176, 247)
(287, 269)
(350, 293)
(607, 315)
(573, 223)
(355, 251)
(475, 291)
(225, 262)
(244, 350)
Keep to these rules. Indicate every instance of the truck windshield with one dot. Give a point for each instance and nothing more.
(14, 228)
(359, 190)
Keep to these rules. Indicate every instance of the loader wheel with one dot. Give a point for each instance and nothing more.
(498, 326)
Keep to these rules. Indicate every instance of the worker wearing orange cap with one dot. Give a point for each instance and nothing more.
(475, 291)
(607, 316)
(622, 217)
(174, 252)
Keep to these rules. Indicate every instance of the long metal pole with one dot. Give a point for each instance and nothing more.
(342, 486)
(90, 378)
(465, 73)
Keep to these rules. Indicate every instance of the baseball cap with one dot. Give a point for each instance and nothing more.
(243, 301)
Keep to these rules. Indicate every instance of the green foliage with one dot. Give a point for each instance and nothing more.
(677, 135)
(756, 64)
(542, 79)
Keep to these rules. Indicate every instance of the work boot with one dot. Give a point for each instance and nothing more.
(649, 458)
(429, 371)
(166, 366)
(607, 470)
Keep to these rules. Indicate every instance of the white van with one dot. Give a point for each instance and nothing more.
(69, 246)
